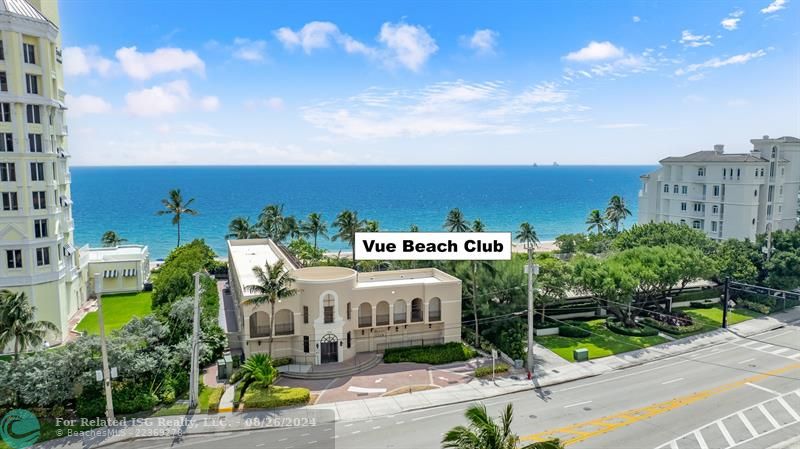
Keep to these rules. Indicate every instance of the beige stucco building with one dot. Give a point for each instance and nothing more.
(124, 268)
(339, 312)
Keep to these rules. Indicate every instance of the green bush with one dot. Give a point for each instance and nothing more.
(484, 371)
(433, 355)
(756, 307)
(256, 397)
(132, 398)
(707, 293)
(281, 361)
(574, 329)
(214, 398)
(548, 444)
(702, 305)
(617, 327)
(678, 330)
(91, 404)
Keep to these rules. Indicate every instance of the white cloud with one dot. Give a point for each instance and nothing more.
(192, 129)
(456, 107)
(408, 45)
(775, 6)
(249, 50)
(694, 40)
(731, 22)
(715, 63)
(84, 61)
(596, 51)
(636, 19)
(482, 41)
(620, 125)
(272, 103)
(143, 66)
(86, 104)
(165, 99)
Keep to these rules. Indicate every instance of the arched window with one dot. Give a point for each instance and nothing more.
(399, 312)
(328, 303)
(435, 309)
(365, 315)
(284, 322)
(416, 310)
(382, 314)
(259, 324)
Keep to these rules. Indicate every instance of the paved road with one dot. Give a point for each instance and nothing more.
(655, 405)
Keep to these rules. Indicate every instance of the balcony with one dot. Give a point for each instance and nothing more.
(382, 319)
(284, 329)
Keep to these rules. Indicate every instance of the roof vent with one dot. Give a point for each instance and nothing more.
(719, 148)
(765, 137)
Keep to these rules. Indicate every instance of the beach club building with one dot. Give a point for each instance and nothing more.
(338, 312)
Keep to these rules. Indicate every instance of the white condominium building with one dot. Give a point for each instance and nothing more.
(727, 195)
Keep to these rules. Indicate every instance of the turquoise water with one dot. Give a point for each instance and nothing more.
(555, 199)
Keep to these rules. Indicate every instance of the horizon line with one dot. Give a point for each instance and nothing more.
(549, 165)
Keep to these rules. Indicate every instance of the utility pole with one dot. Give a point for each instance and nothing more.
(98, 287)
(532, 270)
(726, 296)
(194, 372)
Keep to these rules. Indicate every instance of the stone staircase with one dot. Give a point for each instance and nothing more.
(334, 370)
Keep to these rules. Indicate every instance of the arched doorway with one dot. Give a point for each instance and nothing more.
(329, 349)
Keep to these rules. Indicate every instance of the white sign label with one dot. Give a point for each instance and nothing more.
(98, 374)
(433, 246)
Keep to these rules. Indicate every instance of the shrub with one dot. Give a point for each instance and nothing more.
(281, 361)
(701, 305)
(91, 404)
(433, 355)
(132, 398)
(484, 371)
(275, 397)
(707, 293)
(574, 329)
(756, 307)
(672, 329)
(214, 398)
(547, 444)
(617, 327)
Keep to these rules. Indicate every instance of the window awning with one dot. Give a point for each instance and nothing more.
(129, 272)
(110, 273)
(69, 250)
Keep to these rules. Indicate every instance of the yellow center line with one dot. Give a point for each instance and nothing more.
(575, 433)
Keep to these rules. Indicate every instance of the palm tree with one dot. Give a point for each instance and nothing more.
(478, 226)
(270, 220)
(290, 228)
(528, 237)
(413, 228)
(371, 226)
(175, 206)
(241, 228)
(455, 221)
(314, 226)
(484, 433)
(595, 221)
(258, 370)
(348, 224)
(274, 284)
(18, 323)
(111, 238)
(616, 211)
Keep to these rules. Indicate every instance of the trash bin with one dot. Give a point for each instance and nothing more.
(519, 363)
(222, 372)
(580, 354)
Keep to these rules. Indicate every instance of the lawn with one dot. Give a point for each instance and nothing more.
(601, 343)
(117, 311)
(713, 317)
(257, 397)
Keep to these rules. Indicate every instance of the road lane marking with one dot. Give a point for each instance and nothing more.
(794, 356)
(672, 381)
(747, 424)
(355, 432)
(789, 409)
(354, 389)
(673, 445)
(376, 427)
(398, 423)
(575, 433)
(577, 404)
(778, 335)
(780, 351)
(589, 384)
(725, 434)
(749, 343)
(436, 414)
(769, 417)
(700, 440)
(745, 361)
(305, 434)
(348, 425)
(312, 442)
(282, 439)
(762, 348)
(770, 391)
(379, 380)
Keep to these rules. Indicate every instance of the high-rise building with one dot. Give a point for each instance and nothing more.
(37, 253)
(727, 195)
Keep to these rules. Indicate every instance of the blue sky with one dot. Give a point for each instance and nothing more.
(161, 83)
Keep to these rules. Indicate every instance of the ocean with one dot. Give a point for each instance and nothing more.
(555, 199)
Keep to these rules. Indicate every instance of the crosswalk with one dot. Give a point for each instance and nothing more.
(743, 426)
(769, 348)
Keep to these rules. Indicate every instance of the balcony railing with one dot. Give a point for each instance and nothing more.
(416, 316)
(284, 329)
(434, 315)
(400, 319)
(259, 331)
(364, 321)
(382, 319)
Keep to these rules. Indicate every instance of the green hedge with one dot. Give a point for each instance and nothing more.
(616, 327)
(698, 295)
(678, 330)
(702, 305)
(433, 355)
(257, 397)
(574, 330)
(281, 361)
(484, 371)
(755, 306)
(214, 398)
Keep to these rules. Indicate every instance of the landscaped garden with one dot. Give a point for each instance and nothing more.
(118, 310)
(600, 342)
(433, 355)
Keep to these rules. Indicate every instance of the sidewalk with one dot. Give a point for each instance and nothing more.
(551, 370)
